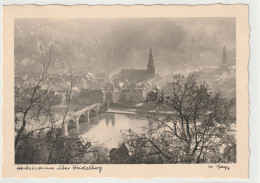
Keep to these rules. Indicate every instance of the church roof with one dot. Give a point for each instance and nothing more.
(134, 70)
(139, 75)
(134, 74)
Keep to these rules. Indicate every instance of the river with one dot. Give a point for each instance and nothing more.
(108, 127)
(105, 129)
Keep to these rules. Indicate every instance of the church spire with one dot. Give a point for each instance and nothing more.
(150, 65)
(151, 61)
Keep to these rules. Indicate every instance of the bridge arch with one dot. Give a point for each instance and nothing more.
(92, 112)
(102, 108)
(71, 125)
(83, 118)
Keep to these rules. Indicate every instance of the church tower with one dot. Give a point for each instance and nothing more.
(224, 67)
(150, 65)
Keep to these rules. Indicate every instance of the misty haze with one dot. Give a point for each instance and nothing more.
(125, 91)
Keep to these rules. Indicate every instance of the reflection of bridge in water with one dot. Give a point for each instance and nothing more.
(73, 120)
(108, 118)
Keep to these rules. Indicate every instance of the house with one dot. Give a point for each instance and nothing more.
(132, 95)
(88, 97)
(119, 155)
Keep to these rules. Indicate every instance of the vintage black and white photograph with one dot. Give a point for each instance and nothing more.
(125, 90)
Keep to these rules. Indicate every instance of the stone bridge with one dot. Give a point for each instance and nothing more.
(73, 120)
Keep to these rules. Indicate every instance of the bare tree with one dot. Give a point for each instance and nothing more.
(33, 101)
(198, 128)
(39, 139)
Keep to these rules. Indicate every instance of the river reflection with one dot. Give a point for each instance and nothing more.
(106, 129)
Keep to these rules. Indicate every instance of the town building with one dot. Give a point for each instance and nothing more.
(138, 75)
(99, 81)
(218, 78)
(89, 97)
(213, 72)
(132, 95)
(101, 77)
(120, 154)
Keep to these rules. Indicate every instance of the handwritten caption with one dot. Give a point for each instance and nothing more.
(60, 168)
(220, 167)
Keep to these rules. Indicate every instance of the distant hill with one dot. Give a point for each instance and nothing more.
(108, 45)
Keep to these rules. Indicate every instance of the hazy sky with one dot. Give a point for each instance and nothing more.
(108, 45)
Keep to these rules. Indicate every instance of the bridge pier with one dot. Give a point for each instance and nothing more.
(65, 128)
(77, 124)
(87, 114)
(107, 105)
(97, 109)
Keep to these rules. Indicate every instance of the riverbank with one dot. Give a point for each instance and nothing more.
(136, 111)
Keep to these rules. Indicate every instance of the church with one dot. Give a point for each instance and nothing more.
(139, 75)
